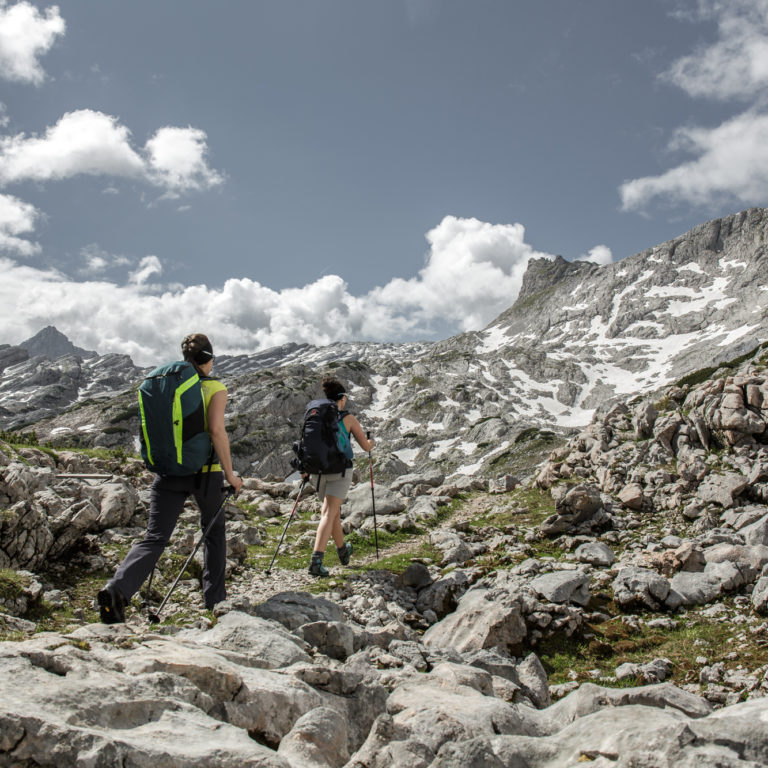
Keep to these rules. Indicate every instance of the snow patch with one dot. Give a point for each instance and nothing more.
(737, 333)
(440, 448)
(406, 425)
(494, 338)
(407, 455)
(381, 393)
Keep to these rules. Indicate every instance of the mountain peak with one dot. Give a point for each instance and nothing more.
(52, 343)
(544, 273)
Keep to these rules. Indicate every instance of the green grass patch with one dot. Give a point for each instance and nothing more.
(697, 377)
(15, 438)
(525, 454)
(81, 589)
(522, 507)
(11, 584)
(606, 645)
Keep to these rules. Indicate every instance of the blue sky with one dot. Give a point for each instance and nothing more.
(322, 170)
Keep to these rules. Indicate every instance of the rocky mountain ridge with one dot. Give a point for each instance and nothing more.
(51, 343)
(578, 336)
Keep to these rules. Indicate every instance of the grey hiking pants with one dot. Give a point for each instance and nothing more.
(167, 499)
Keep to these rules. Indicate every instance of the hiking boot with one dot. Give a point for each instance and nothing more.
(316, 565)
(344, 552)
(111, 605)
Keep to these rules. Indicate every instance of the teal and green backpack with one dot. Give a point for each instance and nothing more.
(172, 417)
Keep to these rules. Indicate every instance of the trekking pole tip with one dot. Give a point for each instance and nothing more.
(153, 618)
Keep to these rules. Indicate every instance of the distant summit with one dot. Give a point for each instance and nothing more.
(52, 344)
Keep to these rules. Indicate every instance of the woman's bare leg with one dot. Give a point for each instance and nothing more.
(330, 524)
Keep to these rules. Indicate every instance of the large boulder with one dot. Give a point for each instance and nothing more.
(360, 503)
(253, 641)
(454, 549)
(442, 596)
(25, 539)
(318, 739)
(635, 586)
(117, 503)
(292, 609)
(432, 478)
(760, 592)
(749, 559)
(563, 587)
(595, 553)
(333, 638)
(696, 588)
(631, 495)
(485, 618)
(722, 489)
(18, 482)
(579, 509)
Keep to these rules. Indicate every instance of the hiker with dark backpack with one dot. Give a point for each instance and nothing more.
(183, 440)
(324, 454)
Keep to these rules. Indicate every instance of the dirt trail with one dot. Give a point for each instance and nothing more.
(259, 586)
(468, 511)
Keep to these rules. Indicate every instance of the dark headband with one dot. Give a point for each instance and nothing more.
(204, 355)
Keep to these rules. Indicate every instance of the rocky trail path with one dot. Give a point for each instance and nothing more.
(259, 586)
(461, 514)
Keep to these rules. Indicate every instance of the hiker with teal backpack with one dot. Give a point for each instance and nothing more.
(183, 440)
(324, 454)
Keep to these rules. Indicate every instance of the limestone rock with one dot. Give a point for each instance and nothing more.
(333, 638)
(483, 619)
(563, 587)
(631, 496)
(640, 586)
(318, 739)
(253, 641)
(722, 489)
(595, 553)
(292, 609)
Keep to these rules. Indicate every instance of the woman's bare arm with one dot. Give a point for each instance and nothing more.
(354, 428)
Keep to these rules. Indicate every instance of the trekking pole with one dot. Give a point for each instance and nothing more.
(154, 618)
(148, 591)
(290, 517)
(373, 501)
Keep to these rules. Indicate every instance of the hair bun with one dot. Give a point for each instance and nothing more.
(196, 347)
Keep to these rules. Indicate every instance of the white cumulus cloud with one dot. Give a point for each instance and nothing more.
(17, 218)
(731, 162)
(600, 254)
(81, 142)
(736, 64)
(177, 159)
(148, 266)
(472, 266)
(96, 260)
(473, 271)
(90, 142)
(727, 162)
(25, 35)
